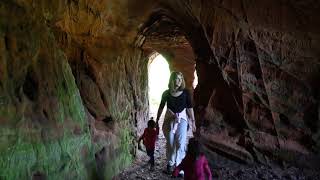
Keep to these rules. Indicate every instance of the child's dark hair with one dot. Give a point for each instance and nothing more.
(194, 148)
(151, 123)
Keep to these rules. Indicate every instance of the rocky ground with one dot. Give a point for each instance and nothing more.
(221, 168)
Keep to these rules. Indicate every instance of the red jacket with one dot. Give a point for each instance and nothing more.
(149, 137)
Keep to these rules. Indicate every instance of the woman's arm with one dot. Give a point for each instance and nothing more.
(161, 106)
(160, 109)
(190, 114)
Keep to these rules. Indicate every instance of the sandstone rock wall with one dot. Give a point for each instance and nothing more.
(258, 68)
(43, 122)
(72, 90)
(267, 53)
(73, 84)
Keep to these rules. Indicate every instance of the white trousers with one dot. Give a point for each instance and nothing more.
(176, 141)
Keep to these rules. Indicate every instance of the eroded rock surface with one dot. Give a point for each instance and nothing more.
(73, 80)
(258, 68)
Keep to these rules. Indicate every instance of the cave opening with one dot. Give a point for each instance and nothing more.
(195, 80)
(158, 78)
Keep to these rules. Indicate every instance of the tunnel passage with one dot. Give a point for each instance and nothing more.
(249, 82)
(187, 50)
(73, 80)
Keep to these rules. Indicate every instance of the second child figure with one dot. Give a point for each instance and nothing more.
(195, 164)
(149, 138)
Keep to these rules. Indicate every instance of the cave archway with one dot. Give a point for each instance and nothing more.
(158, 78)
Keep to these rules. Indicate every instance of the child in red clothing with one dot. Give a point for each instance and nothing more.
(195, 164)
(149, 137)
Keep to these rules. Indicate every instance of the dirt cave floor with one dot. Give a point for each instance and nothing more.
(222, 169)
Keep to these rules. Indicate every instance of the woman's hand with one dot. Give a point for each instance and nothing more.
(194, 127)
(192, 120)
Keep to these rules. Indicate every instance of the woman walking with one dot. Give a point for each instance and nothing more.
(175, 125)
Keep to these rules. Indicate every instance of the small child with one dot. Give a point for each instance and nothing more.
(195, 164)
(149, 137)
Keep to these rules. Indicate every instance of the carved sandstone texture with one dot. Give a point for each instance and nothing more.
(259, 73)
(43, 123)
(72, 90)
(73, 83)
(264, 78)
